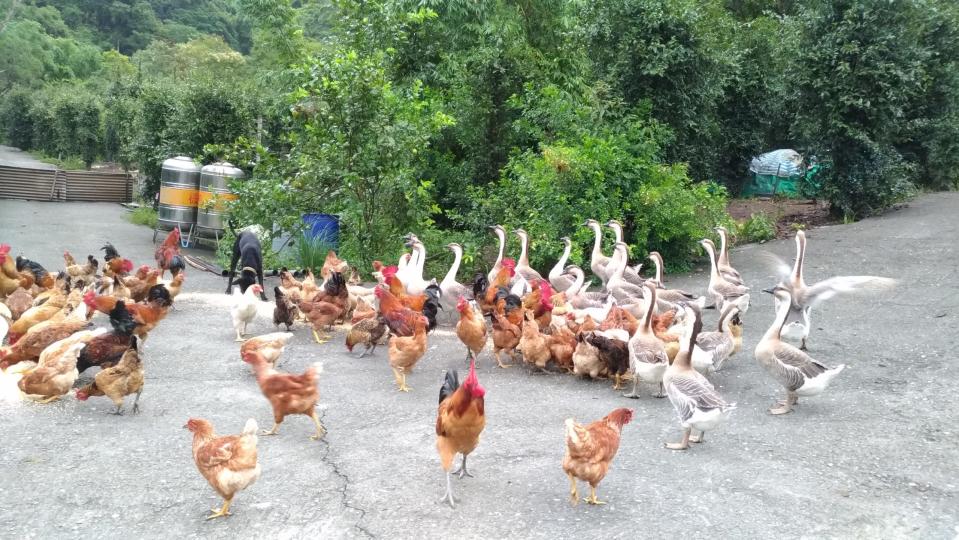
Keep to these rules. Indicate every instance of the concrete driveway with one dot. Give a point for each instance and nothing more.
(14, 157)
(875, 457)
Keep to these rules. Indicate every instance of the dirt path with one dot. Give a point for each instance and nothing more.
(875, 457)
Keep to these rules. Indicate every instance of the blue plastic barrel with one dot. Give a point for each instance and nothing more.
(324, 227)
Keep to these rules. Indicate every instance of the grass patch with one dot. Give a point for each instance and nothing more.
(70, 163)
(758, 228)
(144, 215)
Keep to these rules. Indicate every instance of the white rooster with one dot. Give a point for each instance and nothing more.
(244, 308)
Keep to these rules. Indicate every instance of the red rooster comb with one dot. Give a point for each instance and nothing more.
(127, 265)
(390, 271)
(472, 384)
(4, 249)
(546, 295)
(89, 299)
(621, 417)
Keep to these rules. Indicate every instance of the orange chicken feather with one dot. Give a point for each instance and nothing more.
(228, 463)
(590, 449)
(288, 393)
(471, 328)
(405, 352)
(459, 422)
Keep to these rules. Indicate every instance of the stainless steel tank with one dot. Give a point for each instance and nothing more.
(179, 180)
(214, 192)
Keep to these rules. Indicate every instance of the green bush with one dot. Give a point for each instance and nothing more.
(552, 192)
(15, 118)
(151, 145)
(758, 228)
(77, 125)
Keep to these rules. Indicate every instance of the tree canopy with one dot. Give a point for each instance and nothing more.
(444, 116)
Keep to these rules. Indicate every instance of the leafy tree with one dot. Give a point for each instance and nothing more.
(863, 65)
(26, 54)
(15, 118)
(673, 53)
(158, 104)
(352, 142)
(605, 175)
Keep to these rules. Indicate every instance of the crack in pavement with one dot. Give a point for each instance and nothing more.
(325, 458)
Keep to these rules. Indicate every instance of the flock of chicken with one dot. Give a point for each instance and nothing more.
(633, 329)
(45, 319)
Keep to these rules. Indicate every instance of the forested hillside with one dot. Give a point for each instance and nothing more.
(446, 115)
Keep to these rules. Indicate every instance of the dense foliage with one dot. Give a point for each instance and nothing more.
(444, 116)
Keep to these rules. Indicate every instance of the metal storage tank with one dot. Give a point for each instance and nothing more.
(215, 183)
(179, 180)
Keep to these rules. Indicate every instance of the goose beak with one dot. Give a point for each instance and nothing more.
(770, 290)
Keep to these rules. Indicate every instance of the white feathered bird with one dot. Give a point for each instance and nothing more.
(244, 308)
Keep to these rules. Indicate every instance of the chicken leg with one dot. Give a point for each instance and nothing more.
(573, 492)
(698, 438)
(49, 399)
(320, 430)
(592, 497)
(462, 470)
(500, 362)
(223, 511)
(316, 336)
(276, 428)
(401, 379)
(448, 497)
(682, 445)
(136, 403)
(618, 385)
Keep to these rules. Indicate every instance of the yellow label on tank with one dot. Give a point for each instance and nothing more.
(220, 197)
(178, 196)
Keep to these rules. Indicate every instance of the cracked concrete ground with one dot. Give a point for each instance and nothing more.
(873, 457)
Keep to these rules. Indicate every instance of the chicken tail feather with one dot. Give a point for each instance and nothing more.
(251, 427)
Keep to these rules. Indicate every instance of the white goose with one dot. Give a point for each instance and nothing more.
(722, 261)
(415, 283)
(598, 262)
(697, 403)
(558, 278)
(500, 233)
(675, 296)
(522, 265)
(616, 284)
(791, 367)
(630, 274)
(577, 296)
(714, 348)
(805, 297)
(647, 354)
(720, 290)
(452, 289)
